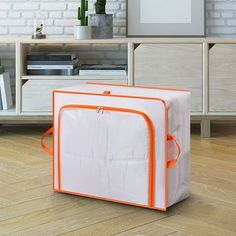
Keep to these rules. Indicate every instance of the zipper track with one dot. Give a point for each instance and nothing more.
(151, 134)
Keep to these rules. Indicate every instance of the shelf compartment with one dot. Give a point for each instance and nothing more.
(222, 81)
(171, 66)
(90, 53)
(37, 94)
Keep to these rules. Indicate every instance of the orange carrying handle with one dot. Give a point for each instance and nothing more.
(172, 163)
(170, 138)
(48, 150)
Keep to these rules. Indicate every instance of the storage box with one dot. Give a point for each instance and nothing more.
(123, 144)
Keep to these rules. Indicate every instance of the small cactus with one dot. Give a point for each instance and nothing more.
(100, 6)
(82, 16)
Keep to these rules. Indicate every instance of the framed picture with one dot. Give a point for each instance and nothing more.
(150, 18)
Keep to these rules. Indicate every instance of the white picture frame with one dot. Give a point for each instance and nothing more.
(147, 18)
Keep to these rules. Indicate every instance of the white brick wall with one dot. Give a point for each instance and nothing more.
(16, 16)
(221, 17)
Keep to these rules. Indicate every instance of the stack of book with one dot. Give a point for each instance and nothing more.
(52, 64)
(5, 90)
(103, 70)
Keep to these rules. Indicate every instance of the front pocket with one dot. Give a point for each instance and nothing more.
(106, 152)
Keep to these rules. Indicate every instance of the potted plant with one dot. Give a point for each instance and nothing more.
(83, 31)
(102, 23)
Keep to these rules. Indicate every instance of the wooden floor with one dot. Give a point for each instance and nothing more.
(28, 206)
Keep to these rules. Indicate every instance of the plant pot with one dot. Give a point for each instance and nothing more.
(82, 32)
(102, 26)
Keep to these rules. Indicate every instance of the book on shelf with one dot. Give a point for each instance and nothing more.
(52, 64)
(1, 101)
(51, 67)
(103, 67)
(1, 72)
(102, 73)
(65, 72)
(51, 57)
(106, 70)
(5, 88)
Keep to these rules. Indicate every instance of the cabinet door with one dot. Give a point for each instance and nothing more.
(172, 66)
(222, 59)
(37, 94)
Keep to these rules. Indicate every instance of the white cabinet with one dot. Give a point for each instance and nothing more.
(222, 78)
(37, 94)
(172, 66)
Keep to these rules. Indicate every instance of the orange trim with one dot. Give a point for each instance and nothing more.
(48, 150)
(107, 92)
(172, 163)
(136, 86)
(53, 141)
(165, 131)
(151, 134)
(108, 199)
(113, 95)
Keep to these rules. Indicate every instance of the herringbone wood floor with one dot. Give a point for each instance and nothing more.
(28, 206)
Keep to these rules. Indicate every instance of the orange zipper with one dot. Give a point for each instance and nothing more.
(151, 134)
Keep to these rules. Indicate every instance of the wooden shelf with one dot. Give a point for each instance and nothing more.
(71, 40)
(74, 77)
(9, 40)
(9, 112)
(35, 113)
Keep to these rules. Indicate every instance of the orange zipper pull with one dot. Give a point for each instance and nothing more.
(100, 109)
(107, 92)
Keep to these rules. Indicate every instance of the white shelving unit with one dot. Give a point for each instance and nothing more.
(205, 66)
(30, 89)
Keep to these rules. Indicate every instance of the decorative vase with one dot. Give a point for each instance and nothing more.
(82, 32)
(102, 26)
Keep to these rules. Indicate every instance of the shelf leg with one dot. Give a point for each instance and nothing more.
(131, 64)
(205, 128)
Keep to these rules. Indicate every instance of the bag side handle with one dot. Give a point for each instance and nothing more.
(46, 149)
(172, 163)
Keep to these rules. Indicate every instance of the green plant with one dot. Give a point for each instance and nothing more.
(100, 6)
(82, 16)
